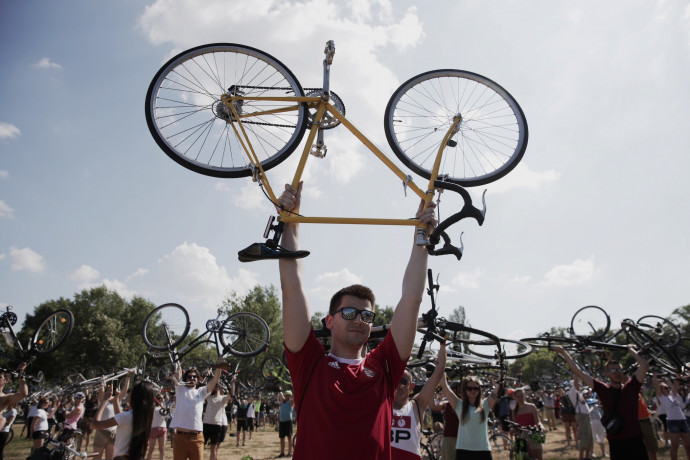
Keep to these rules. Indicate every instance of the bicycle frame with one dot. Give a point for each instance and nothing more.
(323, 107)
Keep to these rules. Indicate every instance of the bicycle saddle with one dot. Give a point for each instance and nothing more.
(261, 251)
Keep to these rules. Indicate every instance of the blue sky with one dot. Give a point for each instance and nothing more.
(596, 213)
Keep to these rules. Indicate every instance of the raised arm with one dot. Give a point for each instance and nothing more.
(579, 373)
(425, 396)
(448, 393)
(404, 323)
(642, 364)
(216, 376)
(296, 319)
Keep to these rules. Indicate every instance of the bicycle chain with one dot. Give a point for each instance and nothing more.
(271, 87)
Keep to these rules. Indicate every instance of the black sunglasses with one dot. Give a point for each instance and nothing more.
(350, 313)
(472, 388)
(404, 381)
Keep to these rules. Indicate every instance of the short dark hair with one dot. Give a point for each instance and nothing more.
(356, 290)
(189, 371)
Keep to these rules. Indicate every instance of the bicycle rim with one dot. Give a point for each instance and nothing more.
(492, 135)
(189, 122)
(169, 319)
(590, 321)
(656, 352)
(53, 331)
(244, 334)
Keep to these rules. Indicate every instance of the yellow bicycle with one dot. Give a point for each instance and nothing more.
(229, 110)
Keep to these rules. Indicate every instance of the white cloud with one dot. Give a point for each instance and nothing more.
(85, 273)
(139, 273)
(574, 274)
(249, 197)
(46, 63)
(6, 210)
(8, 130)
(329, 283)
(2, 255)
(4, 174)
(26, 259)
(523, 178)
(469, 280)
(191, 274)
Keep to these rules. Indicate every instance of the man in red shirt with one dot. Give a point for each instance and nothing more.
(627, 444)
(344, 401)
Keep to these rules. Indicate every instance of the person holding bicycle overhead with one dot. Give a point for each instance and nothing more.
(189, 406)
(9, 399)
(620, 397)
(406, 431)
(344, 402)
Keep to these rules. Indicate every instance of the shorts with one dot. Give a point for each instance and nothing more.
(285, 429)
(662, 417)
(84, 424)
(567, 418)
(677, 426)
(103, 438)
(473, 454)
(242, 424)
(40, 434)
(158, 432)
(250, 424)
(648, 436)
(214, 434)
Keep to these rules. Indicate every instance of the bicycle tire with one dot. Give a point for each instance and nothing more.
(52, 332)
(649, 346)
(492, 135)
(244, 334)
(512, 349)
(189, 122)
(172, 315)
(550, 341)
(663, 330)
(591, 321)
(272, 369)
(164, 374)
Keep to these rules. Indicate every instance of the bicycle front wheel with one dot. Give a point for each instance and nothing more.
(491, 137)
(244, 334)
(166, 326)
(189, 122)
(590, 321)
(52, 331)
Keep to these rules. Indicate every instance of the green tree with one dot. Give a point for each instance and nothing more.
(106, 334)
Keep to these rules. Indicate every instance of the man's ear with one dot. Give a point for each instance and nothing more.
(329, 321)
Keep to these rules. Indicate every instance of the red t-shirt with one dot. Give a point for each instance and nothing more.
(626, 407)
(344, 410)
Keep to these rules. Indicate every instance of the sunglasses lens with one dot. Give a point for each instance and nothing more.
(349, 313)
(403, 381)
(368, 316)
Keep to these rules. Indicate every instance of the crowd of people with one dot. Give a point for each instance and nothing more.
(354, 402)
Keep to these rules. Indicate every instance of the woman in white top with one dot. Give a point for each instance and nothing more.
(133, 426)
(676, 424)
(159, 429)
(39, 424)
(215, 420)
(6, 422)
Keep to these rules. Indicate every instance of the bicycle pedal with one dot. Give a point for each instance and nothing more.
(319, 151)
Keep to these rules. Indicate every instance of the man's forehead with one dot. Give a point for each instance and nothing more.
(353, 301)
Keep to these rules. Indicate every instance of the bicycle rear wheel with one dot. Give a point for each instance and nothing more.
(651, 348)
(590, 321)
(272, 369)
(52, 331)
(166, 326)
(244, 334)
(492, 135)
(511, 349)
(189, 122)
(663, 330)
